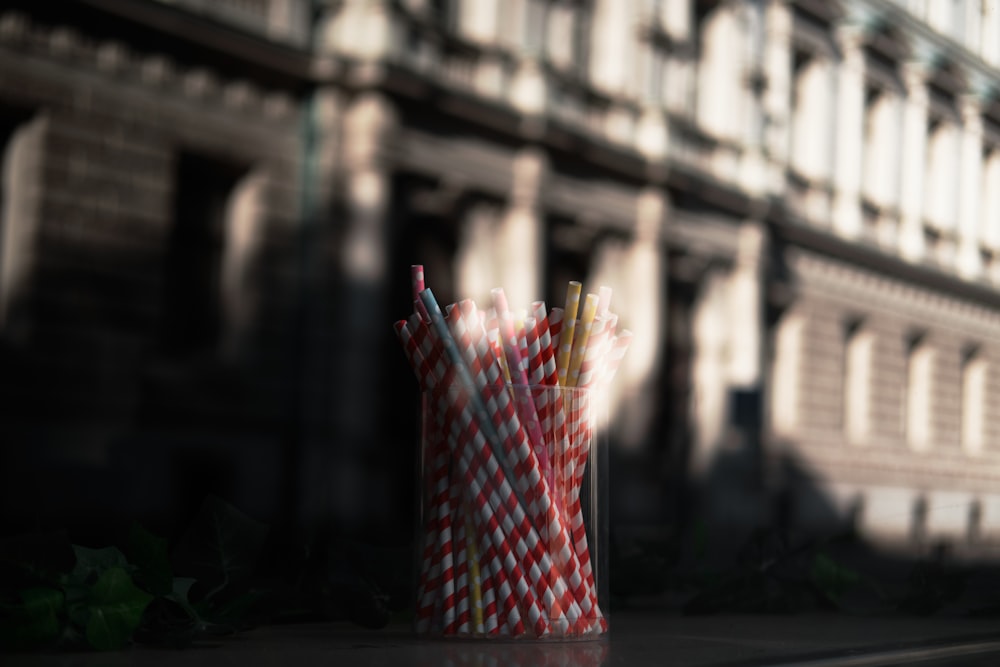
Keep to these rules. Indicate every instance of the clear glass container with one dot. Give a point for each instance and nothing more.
(512, 536)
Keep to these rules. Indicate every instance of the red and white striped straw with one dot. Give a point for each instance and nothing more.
(436, 569)
(478, 355)
(463, 613)
(492, 502)
(464, 437)
(491, 438)
(555, 325)
(535, 488)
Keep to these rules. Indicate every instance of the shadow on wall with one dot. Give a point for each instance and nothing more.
(807, 551)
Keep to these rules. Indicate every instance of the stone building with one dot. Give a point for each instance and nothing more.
(210, 208)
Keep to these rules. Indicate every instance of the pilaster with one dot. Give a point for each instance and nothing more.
(850, 110)
(642, 295)
(912, 161)
(519, 241)
(746, 305)
(356, 303)
(777, 94)
(970, 182)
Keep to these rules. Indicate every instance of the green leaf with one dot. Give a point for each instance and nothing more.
(180, 589)
(220, 548)
(116, 607)
(149, 554)
(35, 621)
(92, 563)
(42, 601)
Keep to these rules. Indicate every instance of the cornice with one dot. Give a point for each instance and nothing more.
(143, 25)
(127, 62)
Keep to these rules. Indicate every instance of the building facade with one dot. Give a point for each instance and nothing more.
(210, 210)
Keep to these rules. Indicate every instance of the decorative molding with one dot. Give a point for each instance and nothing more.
(153, 71)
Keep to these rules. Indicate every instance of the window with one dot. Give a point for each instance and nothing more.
(653, 69)
(990, 18)
(535, 26)
(858, 352)
(990, 190)
(941, 174)
(811, 117)
(720, 86)
(919, 387)
(193, 280)
(787, 366)
(20, 137)
(973, 401)
(881, 160)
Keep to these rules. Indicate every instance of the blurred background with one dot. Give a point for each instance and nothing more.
(208, 212)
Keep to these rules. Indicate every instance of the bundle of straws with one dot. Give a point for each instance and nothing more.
(507, 432)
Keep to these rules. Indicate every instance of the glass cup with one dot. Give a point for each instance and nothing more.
(512, 535)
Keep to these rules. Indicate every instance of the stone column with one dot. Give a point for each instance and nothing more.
(519, 240)
(850, 132)
(477, 266)
(640, 301)
(359, 28)
(720, 89)
(970, 182)
(746, 308)
(612, 45)
(19, 222)
(777, 94)
(359, 318)
(912, 158)
(734, 475)
(753, 172)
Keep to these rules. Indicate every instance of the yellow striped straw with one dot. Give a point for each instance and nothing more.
(568, 328)
(493, 336)
(475, 578)
(580, 342)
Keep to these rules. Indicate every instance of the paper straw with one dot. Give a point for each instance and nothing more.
(548, 402)
(581, 337)
(594, 352)
(535, 412)
(429, 585)
(485, 568)
(437, 587)
(537, 493)
(417, 285)
(614, 357)
(534, 486)
(603, 299)
(555, 327)
(549, 587)
(475, 579)
(463, 612)
(445, 545)
(496, 500)
(464, 438)
(462, 373)
(568, 327)
(493, 336)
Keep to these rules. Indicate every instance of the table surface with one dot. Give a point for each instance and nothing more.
(636, 638)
